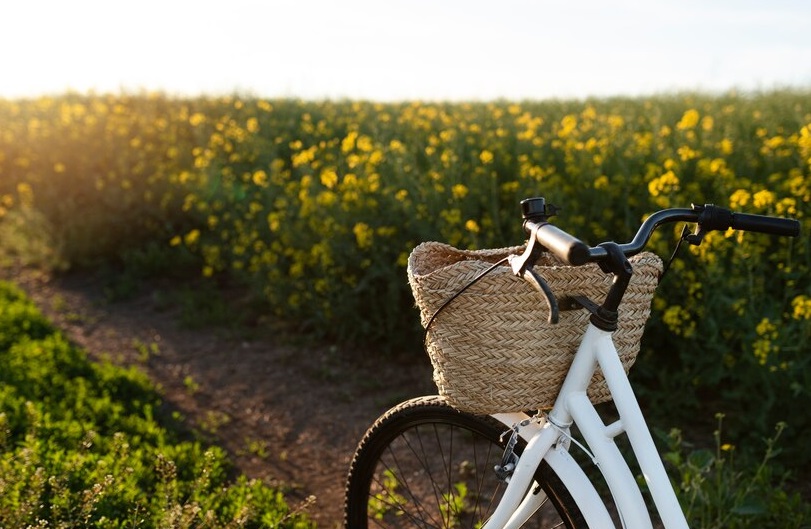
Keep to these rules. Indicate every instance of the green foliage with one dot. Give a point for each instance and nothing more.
(20, 319)
(86, 445)
(716, 492)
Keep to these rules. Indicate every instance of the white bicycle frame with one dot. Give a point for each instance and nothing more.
(549, 440)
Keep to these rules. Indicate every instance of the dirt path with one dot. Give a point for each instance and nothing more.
(289, 415)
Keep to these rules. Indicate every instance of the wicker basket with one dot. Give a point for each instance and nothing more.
(492, 348)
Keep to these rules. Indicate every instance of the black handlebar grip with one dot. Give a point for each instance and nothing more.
(569, 249)
(763, 224)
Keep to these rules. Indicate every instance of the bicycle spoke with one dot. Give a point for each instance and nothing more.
(402, 471)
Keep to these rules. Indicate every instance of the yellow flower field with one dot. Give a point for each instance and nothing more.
(316, 205)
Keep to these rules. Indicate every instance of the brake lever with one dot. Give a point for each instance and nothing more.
(522, 267)
(541, 286)
(711, 218)
(519, 263)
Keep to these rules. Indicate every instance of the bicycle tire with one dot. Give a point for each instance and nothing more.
(425, 464)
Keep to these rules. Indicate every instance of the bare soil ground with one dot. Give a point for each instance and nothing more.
(288, 414)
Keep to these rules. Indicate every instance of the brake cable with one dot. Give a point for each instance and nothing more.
(685, 233)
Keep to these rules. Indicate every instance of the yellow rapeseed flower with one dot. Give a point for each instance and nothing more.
(739, 199)
(447, 135)
(766, 328)
(274, 221)
(348, 143)
(304, 157)
(589, 113)
(802, 307)
(365, 144)
(763, 198)
(376, 157)
(192, 237)
(787, 206)
(197, 119)
(396, 146)
(717, 165)
(568, 124)
(363, 234)
(679, 321)
(486, 157)
(260, 178)
(689, 120)
(329, 178)
(326, 198)
(665, 184)
(763, 347)
(26, 194)
(686, 153)
(472, 226)
(296, 269)
(459, 191)
(804, 142)
(447, 157)
(616, 122)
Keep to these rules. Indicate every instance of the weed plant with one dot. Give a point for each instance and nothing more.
(716, 492)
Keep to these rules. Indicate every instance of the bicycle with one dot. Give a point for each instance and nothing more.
(425, 463)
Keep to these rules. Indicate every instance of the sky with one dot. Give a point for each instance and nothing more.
(391, 50)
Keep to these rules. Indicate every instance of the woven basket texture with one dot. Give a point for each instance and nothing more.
(492, 347)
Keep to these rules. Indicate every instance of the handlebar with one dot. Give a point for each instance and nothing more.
(573, 251)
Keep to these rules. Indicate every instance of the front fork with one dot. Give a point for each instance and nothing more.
(521, 499)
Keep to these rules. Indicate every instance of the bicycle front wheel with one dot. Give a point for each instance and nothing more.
(424, 464)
